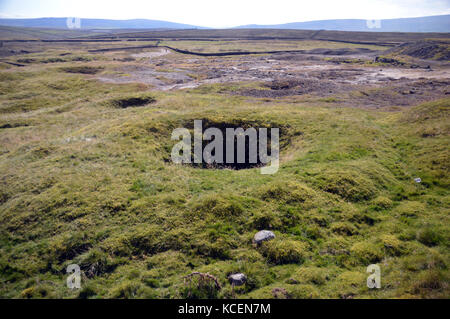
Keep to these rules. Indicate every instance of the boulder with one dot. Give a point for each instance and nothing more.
(262, 236)
(237, 279)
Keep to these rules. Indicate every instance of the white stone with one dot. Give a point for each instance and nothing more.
(237, 279)
(263, 235)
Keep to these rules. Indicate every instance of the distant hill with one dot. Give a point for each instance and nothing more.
(424, 24)
(61, 23)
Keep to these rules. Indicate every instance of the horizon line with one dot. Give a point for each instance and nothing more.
(229, 27)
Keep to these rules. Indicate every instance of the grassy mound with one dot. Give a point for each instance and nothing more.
(430, 50)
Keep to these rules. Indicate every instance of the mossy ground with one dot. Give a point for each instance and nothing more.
(83, 182)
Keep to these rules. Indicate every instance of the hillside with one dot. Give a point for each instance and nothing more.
(60, 23)
(422, 24)
(432, 50)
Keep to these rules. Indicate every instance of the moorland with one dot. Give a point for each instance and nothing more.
(86, 176)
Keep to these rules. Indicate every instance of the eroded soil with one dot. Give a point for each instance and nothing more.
(344, 77)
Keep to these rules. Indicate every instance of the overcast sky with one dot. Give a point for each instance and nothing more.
(224, 13)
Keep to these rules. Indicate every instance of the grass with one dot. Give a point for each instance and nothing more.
(277, 34)
(261, 45)
(83, 182)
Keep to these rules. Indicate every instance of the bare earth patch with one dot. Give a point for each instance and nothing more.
(344, 74)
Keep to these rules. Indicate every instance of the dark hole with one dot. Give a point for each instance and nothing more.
(132, 101)
(285, 135)
(233, 152)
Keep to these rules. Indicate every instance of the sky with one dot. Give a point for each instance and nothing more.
(224, 13)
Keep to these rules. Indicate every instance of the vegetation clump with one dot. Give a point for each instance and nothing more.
(284, 251)
(82, 69)
(200, 286)
(349, 185)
